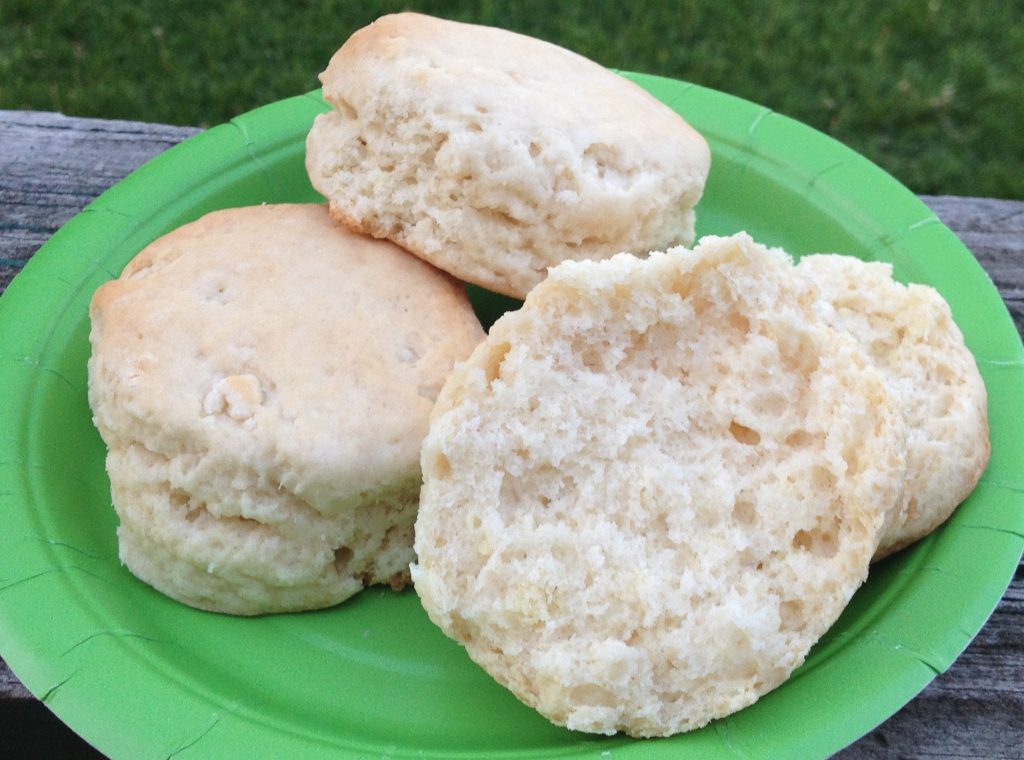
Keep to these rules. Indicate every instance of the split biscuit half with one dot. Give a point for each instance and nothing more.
(653, 488)
(909, 333)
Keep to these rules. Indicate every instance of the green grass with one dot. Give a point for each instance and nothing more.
(933, 91)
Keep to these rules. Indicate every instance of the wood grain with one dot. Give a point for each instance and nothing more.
(51, 166)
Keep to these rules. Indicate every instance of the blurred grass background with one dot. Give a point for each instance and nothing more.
(931, 90)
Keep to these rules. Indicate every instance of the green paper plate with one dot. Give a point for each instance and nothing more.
(141, 676)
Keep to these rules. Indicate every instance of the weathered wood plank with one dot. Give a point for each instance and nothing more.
(51, 166)
(10, 686)
(993, 230)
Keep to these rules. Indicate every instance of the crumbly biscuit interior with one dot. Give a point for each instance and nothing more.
(645, 499)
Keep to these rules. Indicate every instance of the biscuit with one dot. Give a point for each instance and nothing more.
(263, 379)
(495, 156)
(654, 487)
(909, 333)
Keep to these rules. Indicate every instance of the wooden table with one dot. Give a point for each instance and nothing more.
(51, 166)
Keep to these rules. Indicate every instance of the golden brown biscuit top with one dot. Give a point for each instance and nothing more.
(272, 335)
